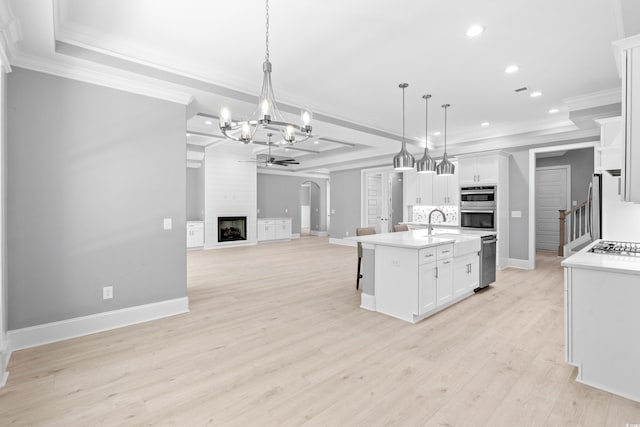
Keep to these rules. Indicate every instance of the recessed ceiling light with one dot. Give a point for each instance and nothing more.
(188, 134)
(484, 124)
(554, 110)
(209, 122)
(535, 94)
(316, 141)
(475, 30)
(436, 133)
(511, 69)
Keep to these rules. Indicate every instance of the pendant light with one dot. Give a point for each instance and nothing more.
(445, 167)
(426, 164)
(403, 160)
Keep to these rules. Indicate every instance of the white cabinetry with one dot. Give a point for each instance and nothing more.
(629, 66)
(480, 169)
(427, 280)
(466, 274)
(609, 155)
(195, 234)
(274, 229)
(430, 189)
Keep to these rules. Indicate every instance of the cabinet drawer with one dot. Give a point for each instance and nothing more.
(426, 255)
(445, 251)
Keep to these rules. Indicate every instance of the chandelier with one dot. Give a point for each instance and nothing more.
(267, 115)
(426, 164)
(445, 167)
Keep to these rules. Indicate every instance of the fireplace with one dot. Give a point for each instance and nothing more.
(231, 228)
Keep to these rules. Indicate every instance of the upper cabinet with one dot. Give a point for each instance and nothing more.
(609, 154)
(478, 169)
(431, 189)
(628, 53)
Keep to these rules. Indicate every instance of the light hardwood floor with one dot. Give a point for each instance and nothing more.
(275, 336)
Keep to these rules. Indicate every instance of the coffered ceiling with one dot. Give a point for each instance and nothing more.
(344, 61)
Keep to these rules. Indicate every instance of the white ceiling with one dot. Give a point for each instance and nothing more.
(344, 60)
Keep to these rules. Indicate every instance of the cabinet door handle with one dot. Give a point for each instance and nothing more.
(446, 262)
(436, 271)
(428, 255)
(446, 252)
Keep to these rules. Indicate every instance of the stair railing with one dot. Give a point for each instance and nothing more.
(574, 225)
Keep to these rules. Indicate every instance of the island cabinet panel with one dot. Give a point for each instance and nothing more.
(444, 281)
(466, 274)
(427, 291)
(396, 280)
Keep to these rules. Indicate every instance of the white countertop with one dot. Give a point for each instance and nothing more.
(287, 218)
(614, 263)
(415, 239)
(422, 223)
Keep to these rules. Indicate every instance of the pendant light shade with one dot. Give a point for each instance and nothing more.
(426, 164)
(445, 167)
(403, 160)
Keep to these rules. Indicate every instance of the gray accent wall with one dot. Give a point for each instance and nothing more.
(195, 194)
(280, 196)
(519, 201)
(92, 172)
(345, 203)
(581, 162)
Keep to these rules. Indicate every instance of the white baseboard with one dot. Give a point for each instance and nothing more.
(79, 326)
(318, 233)
(343, 242)
(368, 302)
(518, 263)
(230, 245)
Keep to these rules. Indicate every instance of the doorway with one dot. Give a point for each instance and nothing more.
(381, 199)
(552, 195)
(305, 209)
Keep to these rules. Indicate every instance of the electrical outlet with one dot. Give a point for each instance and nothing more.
(107, 292)
(286, 210)
(347, 234)
(168, 224)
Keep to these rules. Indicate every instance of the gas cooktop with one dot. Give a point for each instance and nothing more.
(617, 248)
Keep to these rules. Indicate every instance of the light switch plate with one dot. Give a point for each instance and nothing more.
(168, 224)
(516, 214)
(107, 292)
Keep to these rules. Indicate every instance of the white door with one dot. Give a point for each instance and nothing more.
(551, 196)
(377, 201)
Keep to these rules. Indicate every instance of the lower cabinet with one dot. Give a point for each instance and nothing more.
(466, 274)
(274, 229)
(195, 234)
(427, 287)
(444, 281)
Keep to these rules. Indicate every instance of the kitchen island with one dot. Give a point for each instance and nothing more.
(602, 320)
(415, 274)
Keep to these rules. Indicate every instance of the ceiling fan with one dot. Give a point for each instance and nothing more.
(270, 160)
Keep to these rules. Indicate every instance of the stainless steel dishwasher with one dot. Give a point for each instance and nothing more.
(487, 261)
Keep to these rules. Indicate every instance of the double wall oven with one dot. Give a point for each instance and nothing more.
(478, 206)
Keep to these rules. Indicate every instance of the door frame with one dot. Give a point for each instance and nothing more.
(531, 262)
(567, 169)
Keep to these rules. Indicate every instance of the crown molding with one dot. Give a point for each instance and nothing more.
(595, 99)
(100, 78)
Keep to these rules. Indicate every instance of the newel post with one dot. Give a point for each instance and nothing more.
(562, 232)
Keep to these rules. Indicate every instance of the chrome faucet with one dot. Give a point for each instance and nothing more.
(444, 218)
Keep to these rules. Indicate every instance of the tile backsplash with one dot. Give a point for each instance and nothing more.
(421, 214)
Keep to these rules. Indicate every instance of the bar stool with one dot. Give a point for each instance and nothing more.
(365, 231)
(401, 227)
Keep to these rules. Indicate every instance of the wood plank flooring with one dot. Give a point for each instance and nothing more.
(275, 336)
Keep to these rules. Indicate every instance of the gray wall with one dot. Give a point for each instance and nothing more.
(277, 193)
(581, 162)
(396, 198)
(195, 194)
(519, 201)
(345, 202)
(92, 172)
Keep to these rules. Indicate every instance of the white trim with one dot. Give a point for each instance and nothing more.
(343, 242)
(532, 191)
(318, 233)
(318, 175)
(5, 355)
(518, 263)
(99, 78)
(80, 326)
(222, 245)
(368, 302)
